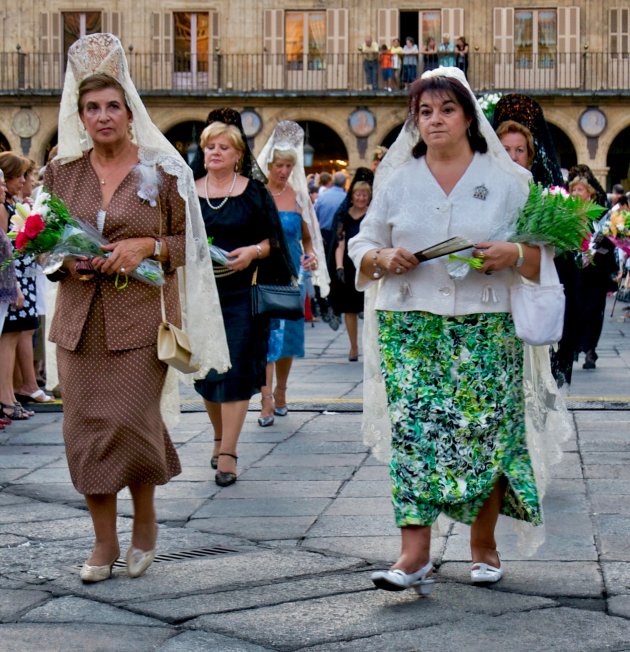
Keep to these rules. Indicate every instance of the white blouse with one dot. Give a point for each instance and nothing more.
(411, 210)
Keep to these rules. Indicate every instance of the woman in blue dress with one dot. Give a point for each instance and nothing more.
(282, 157)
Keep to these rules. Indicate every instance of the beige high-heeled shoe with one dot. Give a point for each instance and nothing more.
(90, 574)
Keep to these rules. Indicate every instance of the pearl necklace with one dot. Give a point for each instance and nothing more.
(277, 194)
(222, 204)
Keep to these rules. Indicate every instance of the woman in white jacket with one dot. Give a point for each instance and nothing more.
(450, 359)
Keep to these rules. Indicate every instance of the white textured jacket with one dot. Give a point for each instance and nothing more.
(411, 210)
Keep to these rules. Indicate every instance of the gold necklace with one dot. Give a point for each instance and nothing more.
(277, 194)
(222, 204)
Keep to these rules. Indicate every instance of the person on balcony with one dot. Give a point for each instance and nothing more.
(446, 51)
(369, 50)
(410, 61)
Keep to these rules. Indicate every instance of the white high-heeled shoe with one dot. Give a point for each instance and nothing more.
(398, 580)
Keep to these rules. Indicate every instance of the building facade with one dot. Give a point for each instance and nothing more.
(301, 60)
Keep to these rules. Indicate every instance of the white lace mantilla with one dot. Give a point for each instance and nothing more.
(547, 421)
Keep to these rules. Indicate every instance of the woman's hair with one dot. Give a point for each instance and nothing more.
(584, 182)
(446, 86)
(283, 155)
(410, 38)
(13, 165)
(216, 129)
(98, 82)
(362, 185)
(513, 127)
(462, 39)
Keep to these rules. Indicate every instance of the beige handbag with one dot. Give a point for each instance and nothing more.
(173, 345)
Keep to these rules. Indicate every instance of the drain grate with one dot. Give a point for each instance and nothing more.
(182, 555)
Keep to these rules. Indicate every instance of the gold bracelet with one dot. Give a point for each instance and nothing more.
(521, 258)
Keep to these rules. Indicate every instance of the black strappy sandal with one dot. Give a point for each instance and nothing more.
(214, 460)
(14, 412)
(226, 478)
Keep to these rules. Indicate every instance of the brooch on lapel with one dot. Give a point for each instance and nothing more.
(481, 192)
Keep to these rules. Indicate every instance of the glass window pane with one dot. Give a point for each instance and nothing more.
(294, 39)
(430, 26)
(523, 38)
(182, 26)
(316, 40)
(547, 38)
(203, 42)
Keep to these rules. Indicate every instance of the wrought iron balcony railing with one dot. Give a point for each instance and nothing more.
(315, 73)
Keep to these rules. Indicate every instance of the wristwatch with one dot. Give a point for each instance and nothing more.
(157, 248)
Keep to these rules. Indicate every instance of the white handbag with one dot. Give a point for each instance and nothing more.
(538, 308)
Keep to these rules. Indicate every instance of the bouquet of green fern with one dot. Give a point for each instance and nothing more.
(551, 216)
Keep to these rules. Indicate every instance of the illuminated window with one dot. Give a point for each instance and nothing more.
(304, 39)
(430, 21)
(191, 41)
(77, 24)
(535, 38)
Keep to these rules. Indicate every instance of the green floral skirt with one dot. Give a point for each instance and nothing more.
(455, 400)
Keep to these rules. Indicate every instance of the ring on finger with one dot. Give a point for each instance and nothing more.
(398, 270)
(122, 270)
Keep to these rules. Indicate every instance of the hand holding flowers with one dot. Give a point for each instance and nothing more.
(49, 231)
(550, 216)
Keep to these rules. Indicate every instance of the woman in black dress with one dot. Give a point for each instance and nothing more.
(346, 299)
(242, 219)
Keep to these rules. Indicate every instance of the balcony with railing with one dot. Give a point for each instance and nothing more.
(337, 74)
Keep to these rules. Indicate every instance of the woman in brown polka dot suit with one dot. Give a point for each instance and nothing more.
(111, 379)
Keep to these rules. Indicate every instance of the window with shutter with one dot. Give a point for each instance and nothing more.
(388, 29)
(569, 60)
(337, 48)
(273, 43)
(503, 48)
(619, 62)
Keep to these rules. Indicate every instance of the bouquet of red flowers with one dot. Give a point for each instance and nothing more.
(48, 231)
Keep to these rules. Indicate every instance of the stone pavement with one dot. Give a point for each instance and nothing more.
(281, 560)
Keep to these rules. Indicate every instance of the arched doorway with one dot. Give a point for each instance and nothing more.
(564, 147)
(388, 141)
(329, 152)
(618, 160)
(4, 143)
(185, 138)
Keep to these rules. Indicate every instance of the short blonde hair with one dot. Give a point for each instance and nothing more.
(283, 155)
(216, 129)
(363, 185)
(584, 182)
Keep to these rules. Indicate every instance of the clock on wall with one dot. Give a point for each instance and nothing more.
(25, 123)
(593, 122)
(252, 122)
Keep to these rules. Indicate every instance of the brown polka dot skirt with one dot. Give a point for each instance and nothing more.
(113, 429)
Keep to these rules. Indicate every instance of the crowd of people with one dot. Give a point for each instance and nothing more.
(457, 440)
(398, 66)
